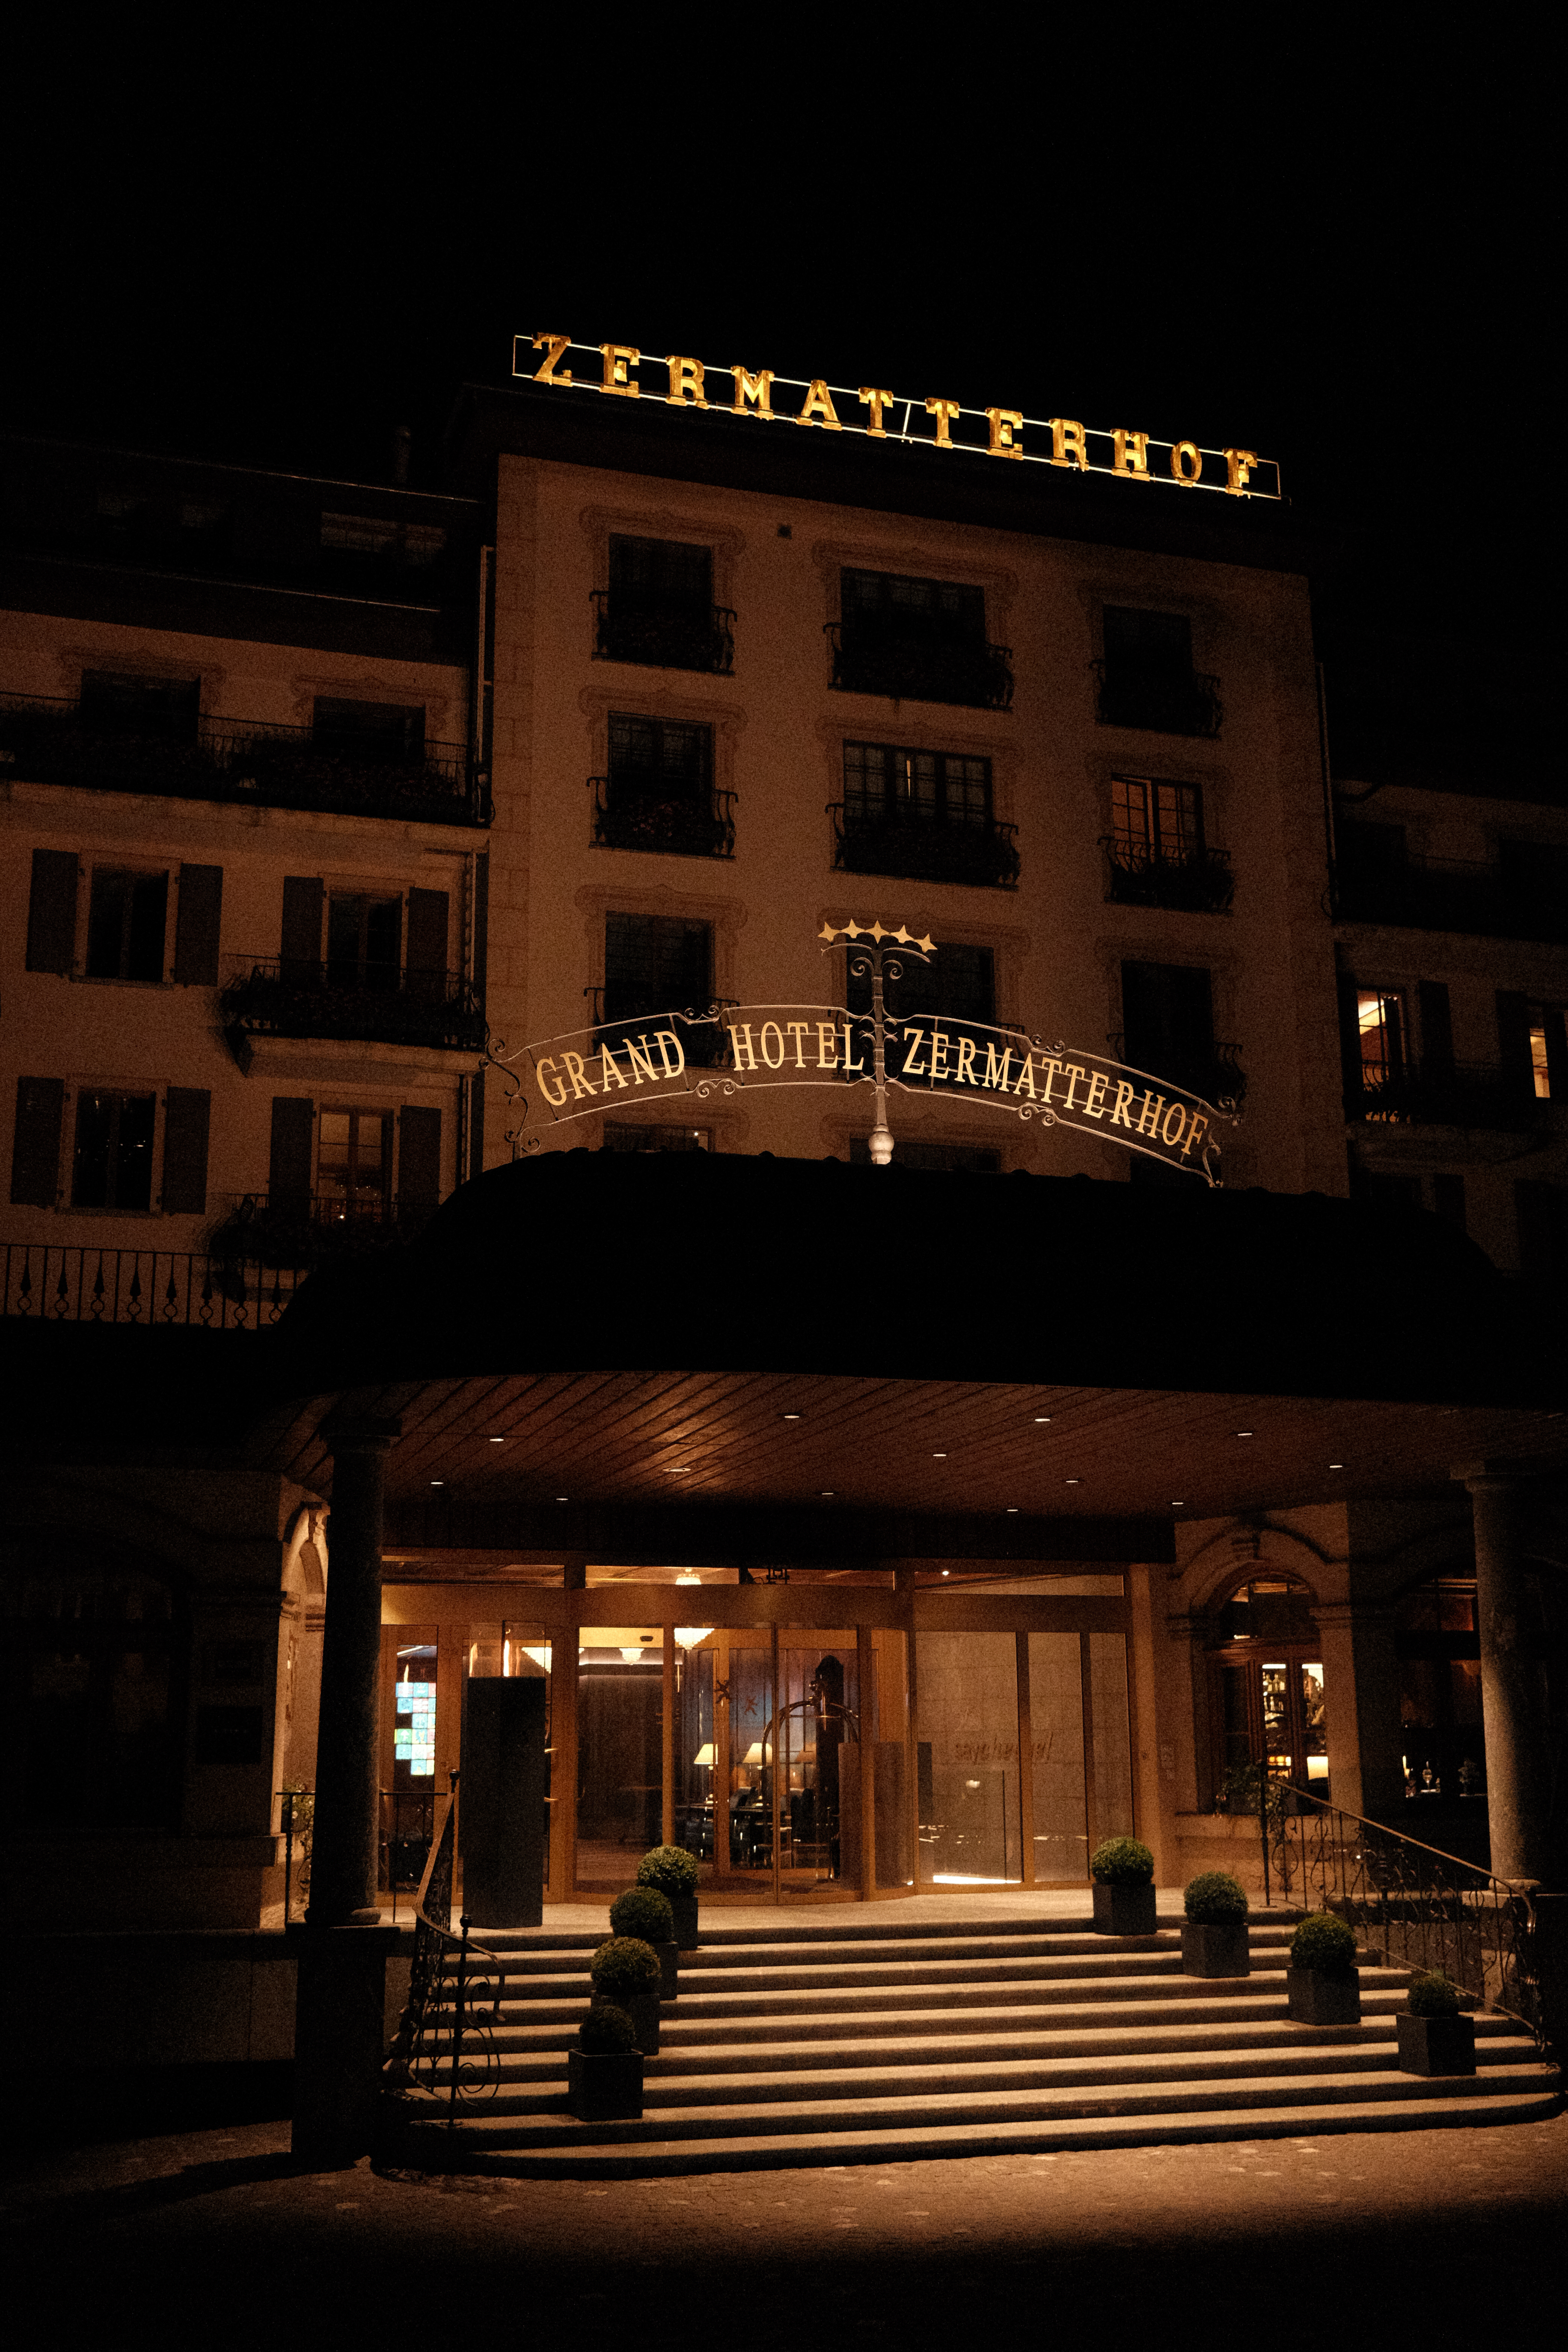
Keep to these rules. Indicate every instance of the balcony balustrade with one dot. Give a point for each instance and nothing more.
(1451, 894)
(1167, 702)
(637, 813)
(1201, 884)
(305, 1230)
(49, 739)
(925, 849)
(202, 1290)
(1215, 1073)
(704, 1042)
(290, 997)
(912, 666)
(663, 637)
(1471, 1095)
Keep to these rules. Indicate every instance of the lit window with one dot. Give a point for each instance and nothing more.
(355, 1166)
(1151, 820)
(1380, 1021)
(1538, 1064)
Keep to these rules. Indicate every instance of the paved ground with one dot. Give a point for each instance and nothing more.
(215, 2238)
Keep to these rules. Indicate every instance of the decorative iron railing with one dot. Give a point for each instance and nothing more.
(1201, 884)
(923, 849)
(165, 1290)
(704, 1039)
(290, 996)
(1172, 702)
(1450, 894)
(663, 637)
(917, 668)
(638, 814)
(1468, 1094)
(305, 1230)
(1218, 1075)
(445, 2046)
(1410, 1906)
(49, 739)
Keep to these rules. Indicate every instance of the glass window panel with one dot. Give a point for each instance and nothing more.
(967, 1707)
(1113, 1736)
(1055, 1730)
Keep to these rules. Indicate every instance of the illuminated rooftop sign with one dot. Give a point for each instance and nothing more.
(700, 388)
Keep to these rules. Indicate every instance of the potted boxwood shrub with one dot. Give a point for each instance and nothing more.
(643, 1911)
(1215, 1939)
(603, 2067)
(673, 1873)
(627, 1972)
(1321, 1985)
(1435, 2035)
(1123, 1870)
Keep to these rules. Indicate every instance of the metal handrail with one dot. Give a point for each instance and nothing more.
(428, 2050)
(1413, 1904)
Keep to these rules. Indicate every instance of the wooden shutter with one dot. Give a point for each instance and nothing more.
(188, 1115)
(197, 923)
(35, 1148)
(1436, 1030)
(1513, 1040)
(1350, 1046)
(418, 1156)
(293, 1133)
(301, 941)
(428, 921)
(1556, 1029)
(481, 922)
(51, 912)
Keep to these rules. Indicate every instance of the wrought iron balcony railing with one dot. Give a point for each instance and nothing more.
(663, 637)
(634, 814)
(704, 1040)
(1170, 702)
(290, 997)
(161, 1289)
(1216, 1074)
(916, 669)
(923, 849)
(49, 739)
(1202, 884)
(1467, 1094)
(1451, 894)
(308, 1229)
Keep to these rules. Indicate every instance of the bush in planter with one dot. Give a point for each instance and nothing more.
(1215, 1939)
(645, 1913)
(673, 1871)
(1123, 1870)
(1320, 1980)
(1435, 2038)
(627, 1970)
(604, 2072)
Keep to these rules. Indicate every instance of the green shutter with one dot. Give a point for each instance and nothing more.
(418, 1156)
(188, 1115)
(35, 1148)
(51, 911)
(197, 923)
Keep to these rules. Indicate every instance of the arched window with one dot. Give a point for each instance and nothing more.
(1266, 1659)
(94, 1641)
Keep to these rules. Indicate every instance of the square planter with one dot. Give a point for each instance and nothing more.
(603, 2086)
(1216, 1948)
(1437, 2045)
(670, 1969)
(1124, 1910)
(685, 1909)
(1316, 1997)
(643, 2010)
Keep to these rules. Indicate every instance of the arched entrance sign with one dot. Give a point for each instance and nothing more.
(723, 1048)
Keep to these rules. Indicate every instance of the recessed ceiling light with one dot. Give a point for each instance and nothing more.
(1075, 1482)
(498, 1440)
(678, 1470)
(789, 1416)
(437, 1482)
(939, 1458)
(1178, 1506)
(1042, 1416)
(1244, 1432)
(947, 1572)
(1012, 1510)
(563, 1499)
(1336, 1466)
(827, 1494)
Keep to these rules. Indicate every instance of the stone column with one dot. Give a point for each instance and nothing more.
(1514, 1690)
(343, 1863)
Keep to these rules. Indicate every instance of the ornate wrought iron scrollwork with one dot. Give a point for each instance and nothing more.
(445, 2048)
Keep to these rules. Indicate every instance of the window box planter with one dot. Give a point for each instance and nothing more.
(605, 2087)
(642, 2008)
(1122, 1910)
(1324, 1997)
(1216, 1950)
(1437, 2045)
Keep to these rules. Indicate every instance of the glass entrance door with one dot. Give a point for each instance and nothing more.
(620, 1751)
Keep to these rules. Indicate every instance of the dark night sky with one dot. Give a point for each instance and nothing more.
(1335, 256)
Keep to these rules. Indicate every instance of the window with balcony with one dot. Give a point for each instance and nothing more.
(917, 640)
(1397, 1047)
(958, 984)
(1156, 850)
(659, 793)
(383, 974)
(353, 1167)
(1147, 678)
(364, 941)
(660, 964)
(924, 814)
(163, 708)
(128, 915)
(388, 733)
(658, 608)
(111, 1163)
(1167, 1012)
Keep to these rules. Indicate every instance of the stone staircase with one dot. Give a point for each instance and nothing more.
(830, 2041)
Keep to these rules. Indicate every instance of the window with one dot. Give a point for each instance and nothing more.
(127, 917)
(114, 703)
(659, 760)
(958, 984)
(661, 575)
(1156, 821)
(93, 1643)
(922, 638)
(111, 1165)
(884, 783)
(364, 941)
(1380, 1035)
(1540, 1076)
(629, 1135)
(659, 607)
(1438, 1646)
(1270, 1698)
(1147, 678)
(655, 963)
(1168, 1016)
(925, 611)
(390, 734)
(354, 1171)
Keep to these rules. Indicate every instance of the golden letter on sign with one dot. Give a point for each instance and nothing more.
(826, 1045)
(939, 1041)
(964, 1074)
(1238, 469)
(944, 410)
(609, 1070)
(658, 1037)
(754, 393)
(1186, 461)
(552, 346)
(1074, 1071)
(876, 402)
(556, 1098)
(641, 1063)
(1119, 1108)
(580, 1082)
(1149, 1115)
(798, 1029)
(741, 1039)
(914, 1069)
(818, 407)
(773, 1061)
(1131, 455)
(1093, 1102)
(686, 384)
(997, 1071)
(1004, 423)
(1177, 1113)
(1199, 1127)
(851, 1069)
(1026, 1075)
(619, 360)
(1048, 1064)
(1067, 445)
